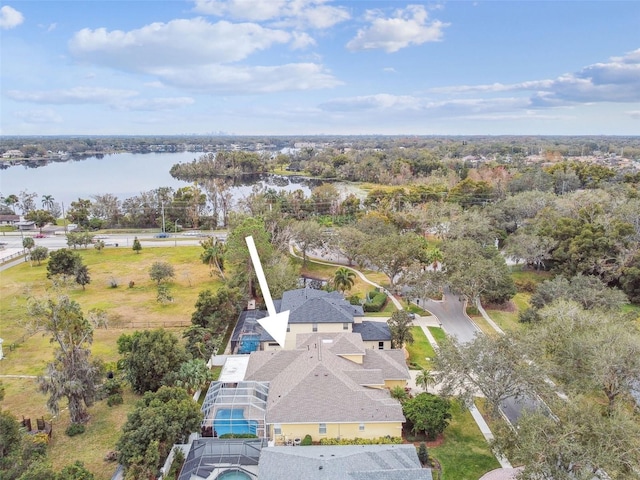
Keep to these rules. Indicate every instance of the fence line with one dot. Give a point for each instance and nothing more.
(8, 258)
(149, 325)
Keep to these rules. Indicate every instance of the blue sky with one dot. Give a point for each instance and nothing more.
(296, 67)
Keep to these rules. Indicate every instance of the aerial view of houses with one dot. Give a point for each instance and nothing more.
(319, 239)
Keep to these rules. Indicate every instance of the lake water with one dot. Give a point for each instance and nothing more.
(122, 174)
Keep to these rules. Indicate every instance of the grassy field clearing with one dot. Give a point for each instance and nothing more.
(465, 454)
(420, 349)
(134, 307)
(127, 308)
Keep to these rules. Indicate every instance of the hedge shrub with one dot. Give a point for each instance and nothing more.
(74, 429)
(238, 435)
(361, 441)
(377, 301)
(115, 399)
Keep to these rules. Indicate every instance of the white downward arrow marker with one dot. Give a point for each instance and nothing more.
(275, 323)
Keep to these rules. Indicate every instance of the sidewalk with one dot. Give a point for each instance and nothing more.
(432, 321)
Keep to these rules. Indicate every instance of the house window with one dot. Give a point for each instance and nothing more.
(361, 427)
(315, 327)
(322, 429)
(277, 429)
(345, 326)
(380, 345)
(288, 327)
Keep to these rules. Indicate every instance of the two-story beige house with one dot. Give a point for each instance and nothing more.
(310, 311)
(330, 386)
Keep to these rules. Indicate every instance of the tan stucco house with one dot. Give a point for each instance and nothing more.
(330, 386)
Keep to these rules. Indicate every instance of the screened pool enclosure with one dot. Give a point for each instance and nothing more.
(235, 409)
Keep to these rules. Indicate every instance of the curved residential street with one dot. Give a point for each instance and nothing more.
(451, 314)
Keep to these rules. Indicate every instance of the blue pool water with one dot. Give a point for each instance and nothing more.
(231, 420)
(233, 475)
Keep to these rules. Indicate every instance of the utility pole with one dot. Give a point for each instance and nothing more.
(162, 204)
(64, 218)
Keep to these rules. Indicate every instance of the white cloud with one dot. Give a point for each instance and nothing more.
(617, 80)
(155, 104)
(635, 114)
(302, 13)
(178, 42)
(193, 54)
(389, 70)
(76, 95)
(49, 28)
(252, 10)
(43, 116)
(380, 101)
(10, 17)
(494, 87)
(116, 99)
(248, 79)
(409, 26)
(391, 104)
(154, 84)
(301, 40)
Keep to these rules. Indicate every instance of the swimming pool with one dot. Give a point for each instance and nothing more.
(233, 475)
(231, 420)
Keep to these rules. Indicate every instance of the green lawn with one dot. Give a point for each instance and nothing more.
(465, 454)
(520, 274)
(419, 350)
(507, 318)
(438, 333)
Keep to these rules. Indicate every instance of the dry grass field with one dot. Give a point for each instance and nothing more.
(127, 308)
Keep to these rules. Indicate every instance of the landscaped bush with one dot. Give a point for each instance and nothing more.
(115, 399)
(238, 435)
(361, 441)
(306, 441)
(74, 429)
(423, 454)
(377, 301)
(525, 285)
(112, 386)
(530, 315)
(354, 299)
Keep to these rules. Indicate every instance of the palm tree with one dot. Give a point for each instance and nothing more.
(344, 279)
(435, 257)
(47, 202)
(10, 201)
(213, 254)
(399, 393)
(193, 375)
(425, 379)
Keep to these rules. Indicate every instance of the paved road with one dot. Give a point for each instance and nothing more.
(13, 242)
(451, 314)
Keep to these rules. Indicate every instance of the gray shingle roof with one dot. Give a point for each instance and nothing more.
(349, 462)
(307, 305)
(339, 343)
(314, 385)
(391, 362)
(372, 331)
